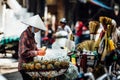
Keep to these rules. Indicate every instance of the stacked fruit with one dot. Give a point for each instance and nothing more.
(45, 65)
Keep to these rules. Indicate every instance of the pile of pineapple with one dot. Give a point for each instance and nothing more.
(45, 65)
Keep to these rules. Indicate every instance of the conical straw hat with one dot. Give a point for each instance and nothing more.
(35, 21)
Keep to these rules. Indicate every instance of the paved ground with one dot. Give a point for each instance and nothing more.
(13, 76)
(8, 64)
(8, 68)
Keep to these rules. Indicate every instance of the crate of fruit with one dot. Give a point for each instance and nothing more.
(54, 63)
(47, 68)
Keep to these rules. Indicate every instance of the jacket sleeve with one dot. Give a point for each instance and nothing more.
(24, 49)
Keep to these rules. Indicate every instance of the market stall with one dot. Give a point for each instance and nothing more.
(54, 64)
(99, 52)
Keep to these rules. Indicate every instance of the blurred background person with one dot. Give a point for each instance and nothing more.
(63, 26)
(81, 32)
(78, 32)
(48, 39)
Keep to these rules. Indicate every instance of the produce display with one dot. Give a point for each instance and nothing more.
(91, 54)
(49, 66)
(45, 65)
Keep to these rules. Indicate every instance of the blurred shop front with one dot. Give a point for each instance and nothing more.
(50, 8)
(73, 10)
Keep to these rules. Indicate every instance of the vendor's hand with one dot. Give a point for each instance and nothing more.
(41, 52)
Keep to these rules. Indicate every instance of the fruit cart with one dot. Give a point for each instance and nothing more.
(47, 67)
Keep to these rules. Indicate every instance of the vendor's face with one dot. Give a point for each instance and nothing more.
(36, 30)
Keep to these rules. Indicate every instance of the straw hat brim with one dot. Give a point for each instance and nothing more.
(36, 22)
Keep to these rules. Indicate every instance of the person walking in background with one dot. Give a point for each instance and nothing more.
(63, 26)
(48, 38)
(78, 32)
(27, 44)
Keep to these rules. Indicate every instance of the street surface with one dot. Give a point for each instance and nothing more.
(8, 68)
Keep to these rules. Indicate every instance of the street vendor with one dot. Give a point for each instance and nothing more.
(27, 45)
